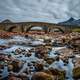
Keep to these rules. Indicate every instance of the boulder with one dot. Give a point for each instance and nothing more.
(41, 76)
(38, 66)
(76, 73)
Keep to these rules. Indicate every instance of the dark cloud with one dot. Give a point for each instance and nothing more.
(39, 10)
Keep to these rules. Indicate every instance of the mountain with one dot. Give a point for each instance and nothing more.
(6, 21)
(76, 22)
(68, 22)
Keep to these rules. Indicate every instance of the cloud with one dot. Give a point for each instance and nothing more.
(39, 10)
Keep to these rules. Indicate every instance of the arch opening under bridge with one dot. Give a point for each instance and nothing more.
(10, 29)
(37, 28)
(56, 29)
(46, 29)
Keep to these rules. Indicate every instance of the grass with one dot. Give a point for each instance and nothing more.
(76, 30)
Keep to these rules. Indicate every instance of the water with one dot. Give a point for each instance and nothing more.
(3, 41)
(55, 51)
(59, 65)
(69, 70)
(14, 47)
(5, 72)
(56, 65)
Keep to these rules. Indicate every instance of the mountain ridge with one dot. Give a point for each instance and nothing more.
(71, 21)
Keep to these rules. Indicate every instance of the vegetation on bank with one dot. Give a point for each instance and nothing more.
(76, 30)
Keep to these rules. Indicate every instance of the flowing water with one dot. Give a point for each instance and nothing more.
(57, 64)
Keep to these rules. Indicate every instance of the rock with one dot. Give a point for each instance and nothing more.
(54, 71)
(23, 76)
(41, 76)
(14, 78)
(28, 54)
(2, 57)
(76, 73)
(38, 66)
(41, 52)
(2, 47)
(32, 50)
(29, 64)
(47, 71)
(47, 41)
(18, 51)
(10, 67)
(49, 60)
(59, 74)
(17, 65)
(1, 65)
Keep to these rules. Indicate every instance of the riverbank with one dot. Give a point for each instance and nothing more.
(26, 56)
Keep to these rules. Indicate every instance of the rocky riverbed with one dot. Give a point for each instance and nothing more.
(28, 58)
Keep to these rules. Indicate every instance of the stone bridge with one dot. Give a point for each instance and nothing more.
(26, 26)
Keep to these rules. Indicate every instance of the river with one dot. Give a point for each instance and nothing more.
(20, 41)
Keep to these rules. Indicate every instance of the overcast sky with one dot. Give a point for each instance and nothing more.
(39, 10)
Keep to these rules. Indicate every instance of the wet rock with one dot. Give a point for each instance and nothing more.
(1, 65)
(33, 62)
(28, 54)
(47, 71)
(41, 76)
(24, 76)
(39, 67)
(18, 51)
(47, 40)
(76, 73)
(7, 58)
(12, 77)
(2, 57)
(26, 36)
(60, 75)
(10, 67)
(4, 35)
(32, 50)
(17, 65)
(11, 42)
(41, 52)
(49, 60)
(26, 71)
(29, 64)
(54, 71)
(2, 47)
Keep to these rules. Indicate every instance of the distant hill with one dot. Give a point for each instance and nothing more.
(6, 21)
(71, 21)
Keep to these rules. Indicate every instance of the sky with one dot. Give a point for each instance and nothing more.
(52, 11)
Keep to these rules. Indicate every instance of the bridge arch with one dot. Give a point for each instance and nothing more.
(56, 29)
(37, 27)
(10, 29)
(14, 28)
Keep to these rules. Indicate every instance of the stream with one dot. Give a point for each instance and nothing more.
(56, 65)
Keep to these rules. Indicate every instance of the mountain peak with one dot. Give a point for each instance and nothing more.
(68, 22)
(6, 21)
(71, 19)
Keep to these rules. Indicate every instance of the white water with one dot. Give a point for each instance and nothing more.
(2, 41)
(57, 64)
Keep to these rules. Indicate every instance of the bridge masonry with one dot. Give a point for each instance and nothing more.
(26, 26)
